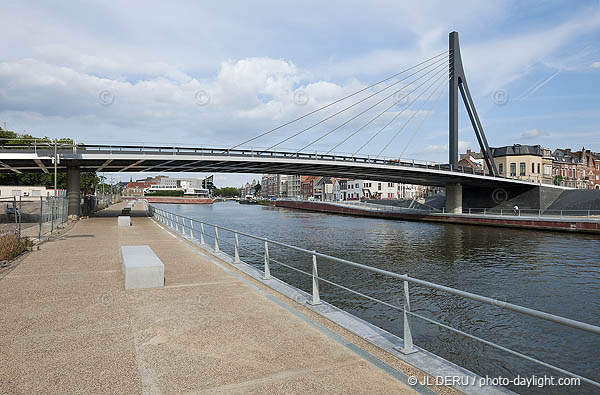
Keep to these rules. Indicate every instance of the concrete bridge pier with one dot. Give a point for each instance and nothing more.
(454, 198)
(73, 188)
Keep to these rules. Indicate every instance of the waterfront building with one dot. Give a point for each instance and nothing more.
(323, 189)
(136, 188)
(198, 187)
(576, 169)
(248, 189)
(271, 184)
(306, 186)
(522, 162)
(293, 187)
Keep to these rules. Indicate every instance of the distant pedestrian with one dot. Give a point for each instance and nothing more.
(516, 209)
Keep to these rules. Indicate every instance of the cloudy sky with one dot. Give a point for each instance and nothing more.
(218, 74)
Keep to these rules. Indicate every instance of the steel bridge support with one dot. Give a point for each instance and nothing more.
(459, 82)
(73, 190)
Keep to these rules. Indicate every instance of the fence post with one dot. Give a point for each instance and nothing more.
(217, 239)
(176, 223)
(191, 228)
(236, 249)
(267, 275)
(316, 299)
(202, 233)
(41, 212)
(20, 214)
(408, 340)
(183, 226)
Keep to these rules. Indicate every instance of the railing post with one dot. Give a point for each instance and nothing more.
(202, 233)
(176, 223)
(408, 340)
(51, 215)
(217, 239)
(316, 299)
(41, 212)
(267, 275)
(236, 258)
(191, 228)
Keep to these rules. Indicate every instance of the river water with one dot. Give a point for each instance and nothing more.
(558, 273)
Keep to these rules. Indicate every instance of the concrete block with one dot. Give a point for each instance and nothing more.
(123, 220)
(141, 267)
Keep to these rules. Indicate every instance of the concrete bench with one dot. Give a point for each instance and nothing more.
(141, 267)
(123, 220)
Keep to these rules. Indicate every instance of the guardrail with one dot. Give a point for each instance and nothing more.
(470, 211)
(178, 223)
(253, 153)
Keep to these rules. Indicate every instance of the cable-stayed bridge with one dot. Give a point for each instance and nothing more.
(371, 118)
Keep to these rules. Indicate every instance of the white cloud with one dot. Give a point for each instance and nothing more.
(533, 133)
(596, 65)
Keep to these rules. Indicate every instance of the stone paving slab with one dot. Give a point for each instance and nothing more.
(70, 327)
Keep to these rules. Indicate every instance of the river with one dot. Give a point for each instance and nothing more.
(558, 273)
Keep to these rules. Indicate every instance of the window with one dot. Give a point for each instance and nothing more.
(379, 186)
(538, 168)
(513, 169)
(501, 168)
(533, 168)
(522, 168)
(36, 192)
(16, 192)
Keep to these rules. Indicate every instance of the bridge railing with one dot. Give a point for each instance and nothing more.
(196, 230)
(532, 212)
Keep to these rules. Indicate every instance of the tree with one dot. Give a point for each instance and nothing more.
(226, 192)
(558, 179)
(89, 181)
(257, 189)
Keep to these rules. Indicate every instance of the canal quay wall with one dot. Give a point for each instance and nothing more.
(552, 223)
(69, 325)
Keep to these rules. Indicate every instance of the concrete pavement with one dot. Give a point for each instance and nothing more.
(69, 326)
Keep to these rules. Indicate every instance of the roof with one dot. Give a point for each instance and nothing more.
(517, 149)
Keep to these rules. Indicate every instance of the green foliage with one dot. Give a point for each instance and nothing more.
(257, 189)
(89, 181)
(178, 193)
(226, 192)
(557, 179)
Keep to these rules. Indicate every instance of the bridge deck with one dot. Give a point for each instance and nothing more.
(182, 159)
(68, 325)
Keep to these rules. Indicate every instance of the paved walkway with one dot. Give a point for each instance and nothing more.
(68, 326)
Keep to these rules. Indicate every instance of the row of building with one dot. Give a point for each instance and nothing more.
(335, 189)
(564, 167)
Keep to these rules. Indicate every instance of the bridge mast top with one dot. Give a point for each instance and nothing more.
(459, 82)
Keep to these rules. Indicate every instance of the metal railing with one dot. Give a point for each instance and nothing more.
(262, 153)
(526, 212)
(178, 223)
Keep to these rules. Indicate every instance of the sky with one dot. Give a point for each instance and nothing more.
(216, 74)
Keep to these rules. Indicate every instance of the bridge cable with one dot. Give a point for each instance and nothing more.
(374, 105)
(347, 108)
(376, 117)
(441, 75)
(339, 100)
(422, 121)
(409, 119)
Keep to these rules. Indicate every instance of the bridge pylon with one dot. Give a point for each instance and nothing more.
(458, 82)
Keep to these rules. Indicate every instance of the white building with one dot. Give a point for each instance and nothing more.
(26, 192)
(190, 186)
